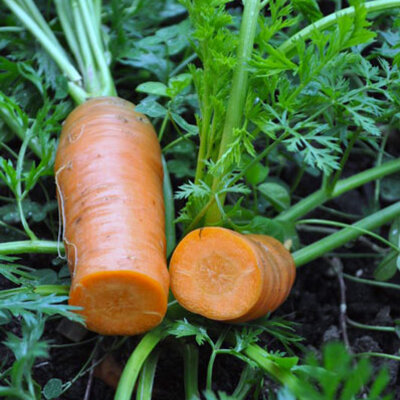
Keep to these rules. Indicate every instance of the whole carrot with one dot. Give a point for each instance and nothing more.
(109, 184)
(227, 276)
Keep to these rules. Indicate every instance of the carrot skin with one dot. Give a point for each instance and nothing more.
(287, 268)
(109, 185)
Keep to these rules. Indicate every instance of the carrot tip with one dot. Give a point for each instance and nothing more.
(119, 302)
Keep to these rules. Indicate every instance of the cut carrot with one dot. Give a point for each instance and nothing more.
(285, 266)
(227, 276)
(109, 182)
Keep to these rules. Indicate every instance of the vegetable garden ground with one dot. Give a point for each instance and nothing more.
(276, 118)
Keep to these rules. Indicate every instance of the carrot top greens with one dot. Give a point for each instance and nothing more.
(265, 111)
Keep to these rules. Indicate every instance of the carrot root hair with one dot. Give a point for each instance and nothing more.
(61, 213)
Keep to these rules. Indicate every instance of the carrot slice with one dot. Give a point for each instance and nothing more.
(271, 288)
(226, 276)
(109, 185)
(217, 273)
(286, 268)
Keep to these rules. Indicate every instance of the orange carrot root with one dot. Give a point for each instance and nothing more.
(109, 180)
(226, 276)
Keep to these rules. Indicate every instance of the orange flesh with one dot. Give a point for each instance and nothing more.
(226, 276)
(215, 272)
(109, 182)
(271, 288)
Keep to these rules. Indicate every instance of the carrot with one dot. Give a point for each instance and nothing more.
(109, 185)
(226, 276)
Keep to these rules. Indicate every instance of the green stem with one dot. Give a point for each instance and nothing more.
(240, 175)
(245, 384)
(330, 20)
(371, 327)
(24, 222)
(262, 358)
(213, 356)
(240, 77)
(46, 290)
(200, 165)
(135, 363)
(340, 214)
(169, 210)
(321, 196)
(183, 64)
(77, 93)
(9, 149)
(191, 367)
(43, 290)
(18, 191)
(30, 246)
(344, 159)
(8, 392)
(298, 178)
(12, 228)
(386, 285)
(200, 215)
(64, 13)
(11, 29)
(170, 145)
(355, 255)
(381, 355)
(33, 11)
(163, 126)
(85, 367)
(379, 162)
(342, 225)
(53, 48)
(107, 87)
(331, 242)
(90, 77)
(97, 10)
(239, 88)
(20, 131)
(144, 389)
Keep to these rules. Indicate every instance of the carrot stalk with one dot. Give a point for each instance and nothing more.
(50, 43)
(29, 246)
(226, 276)
(191, 371)
(237, 95)
(135, 362)
(144, 389)
(169, 210)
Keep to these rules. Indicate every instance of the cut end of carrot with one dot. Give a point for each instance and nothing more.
(119, 302)
(227, 276)
(215, 272)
